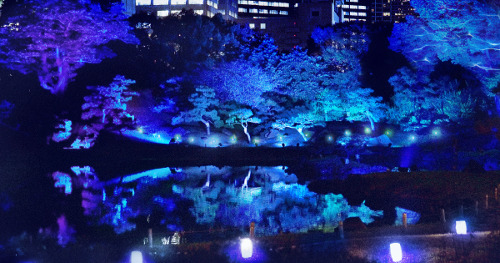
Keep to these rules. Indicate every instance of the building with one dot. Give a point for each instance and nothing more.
(355, 10)
(392, 11)
(228, 8)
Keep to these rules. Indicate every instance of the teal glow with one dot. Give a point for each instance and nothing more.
(412, 138)
(280, 137)
(256, 141)
(436, 132)
(368, 130)
(233, 139)
(347, 133)
(140, 130)
(191, 139)
(388, 132)
(329, 138)
(178, 138)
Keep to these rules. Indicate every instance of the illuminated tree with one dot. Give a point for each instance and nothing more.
(464, 32)
(238, 81)
(205, 104)
(298, 118)
(55, 38)
(345, 98)
(108, 105)
(241, 116)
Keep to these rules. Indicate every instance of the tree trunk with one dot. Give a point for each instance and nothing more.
(302, 134)
(207, 124)
(368, 114)
(103, 115)
(245, 130)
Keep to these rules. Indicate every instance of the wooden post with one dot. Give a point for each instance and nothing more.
(252, 230)
(476, 208)
(150, 237)
(341, 229)
(486, 203)
(443, 216)
(496, 193)
(405, 221)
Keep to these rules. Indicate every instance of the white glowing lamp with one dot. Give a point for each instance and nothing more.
(396, 252)
(136, 257)
(246, 248)
(461, 227)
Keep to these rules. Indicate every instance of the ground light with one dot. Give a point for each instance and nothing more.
(246, 248)
(329, 138)
(233, 139)
(436, 132)
(461, 227)
(396, 252)
(388, 133)
(368, 130)
(347, 133)
(136, 257)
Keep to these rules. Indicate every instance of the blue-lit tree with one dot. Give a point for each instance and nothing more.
(464, 32)
(345, 98)
(55, 38)
(240, 116)
(204, 109)
(298, 118)
(107, 106)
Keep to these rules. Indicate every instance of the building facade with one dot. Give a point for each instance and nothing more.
(228, 8)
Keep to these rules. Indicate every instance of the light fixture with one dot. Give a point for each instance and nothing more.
(246, 248)
(136, 257)
(396, 252)
(461, 227)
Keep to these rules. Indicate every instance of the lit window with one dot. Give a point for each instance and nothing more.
(178, 2)
(345, 6)
(253, 3)
(222, 12)
(251, 25)
(296, 5)
(263, 11)
(162, 13)
(362, 7)
(243, 2)
(173, 12)
(346, 13)
(198, 12)
(160, 2)
(242, 10)
(353, 1)
(274, 12)
(387, 14)
(143, 2)
(253, 10)
(263, 3)
(284, 13)
(262, 25)
(195, 2)
(361, 14)
(284, 5)
(353, 6)
(354, 13)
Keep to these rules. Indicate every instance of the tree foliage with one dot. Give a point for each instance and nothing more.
(54, 38)
(464, 32)
(107, 106)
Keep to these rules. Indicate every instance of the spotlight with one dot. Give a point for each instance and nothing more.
(412, 138)
(191, 139)
(136, 257)
(368, 130)
(329, 138)
(396, 252)
(233, 139)
(178, 137)
(246, 248)
(436, 132)
(388, 133)
(347, 133)
(140, 130)
(461, 227)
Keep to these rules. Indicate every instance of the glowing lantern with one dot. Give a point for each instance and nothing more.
(347, 133)
(136, 257)
(396, 252)
(233, 139)
(436, 132)
(329, 138)
(191, 139)
(368, 130)
(388, 133)
(461, 227)
(178, 137)
(246, 248)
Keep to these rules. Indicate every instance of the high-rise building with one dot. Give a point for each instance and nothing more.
(393, 11)
(355, 10)
(228, 8)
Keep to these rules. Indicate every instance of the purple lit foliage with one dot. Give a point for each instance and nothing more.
(107, 106)
(55, 38)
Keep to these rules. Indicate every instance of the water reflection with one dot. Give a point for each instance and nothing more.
(180, 199)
